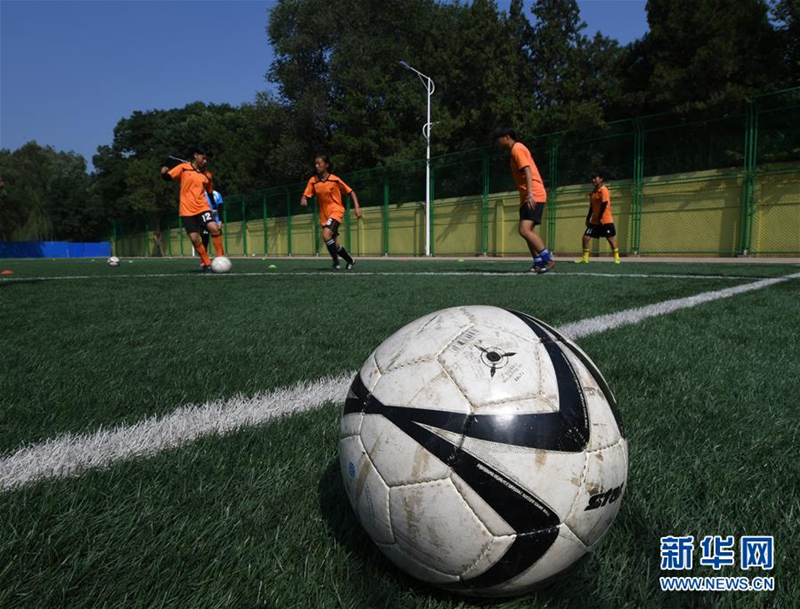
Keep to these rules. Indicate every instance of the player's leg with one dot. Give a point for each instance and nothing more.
(611, 235)
(545, 262)
(587, 238)
(193, 225)
(340, 249)
(216, 236)
(330, 242)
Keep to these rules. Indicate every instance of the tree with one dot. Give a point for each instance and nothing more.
(705, 52)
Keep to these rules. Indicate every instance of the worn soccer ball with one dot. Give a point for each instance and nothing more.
(221, 264)
(482, 451)
(113, 261)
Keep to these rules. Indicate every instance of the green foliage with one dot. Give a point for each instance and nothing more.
(48, 196)
(341, 90)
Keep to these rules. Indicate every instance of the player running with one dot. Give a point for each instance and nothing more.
(195, 211)
(532, 197)
(330, 191)
(599, 222)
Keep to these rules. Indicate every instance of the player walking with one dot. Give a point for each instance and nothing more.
(532, 197)
(599, 221)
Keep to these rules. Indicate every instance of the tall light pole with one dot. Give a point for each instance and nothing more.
(426, 131)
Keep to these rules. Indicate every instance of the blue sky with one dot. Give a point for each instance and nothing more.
(69, 70)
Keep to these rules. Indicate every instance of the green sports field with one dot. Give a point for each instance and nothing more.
(258, 517)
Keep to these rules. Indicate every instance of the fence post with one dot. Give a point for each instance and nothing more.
(289, 221)
(169, 239)
(180, 234)
(385, 212)
(244, 226)
(264, 219)
(432, 224)
(638, 186)
(551, 203)
(347, 222)
(315, 221)
(485, 205)
(225, 222)
(748, 184)
(114, 237)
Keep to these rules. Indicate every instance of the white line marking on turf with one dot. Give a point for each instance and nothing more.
(321, 273)
(602, 323)
(72, 454)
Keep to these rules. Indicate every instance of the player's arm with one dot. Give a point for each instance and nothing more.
(355, 203)
(307, 194)
(529, 185)
(589, 214)
(171, 174)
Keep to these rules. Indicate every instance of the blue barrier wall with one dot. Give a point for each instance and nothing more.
(54, 249)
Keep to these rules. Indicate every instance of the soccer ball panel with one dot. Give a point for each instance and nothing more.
(370, 373)
(421, 340)
(493, 367)
(350, 425)
(421, 385)
(493, 552)
(490, 519)
(368, 494)
(565, 550)
(552, 477)
(601, 494)
(398, 458)
(433, 524)
(415, 568)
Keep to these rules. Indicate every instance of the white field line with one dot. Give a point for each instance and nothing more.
(72, 454)
(323, 274)
(595, 325)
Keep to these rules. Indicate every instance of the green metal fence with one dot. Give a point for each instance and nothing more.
(701, 184)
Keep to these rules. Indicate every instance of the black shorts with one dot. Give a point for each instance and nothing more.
(535, 214)
(333, 225)
(198, 223)
(600, 230)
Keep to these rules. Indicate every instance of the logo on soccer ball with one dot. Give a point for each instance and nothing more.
(494, 358)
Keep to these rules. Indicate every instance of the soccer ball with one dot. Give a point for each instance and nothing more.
(482, 451)
(113, 261)
(221, 264)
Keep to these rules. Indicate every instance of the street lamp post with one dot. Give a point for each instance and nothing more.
(426, 131)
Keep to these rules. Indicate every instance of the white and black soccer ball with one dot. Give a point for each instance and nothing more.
(221, 264)
(113, 261)
(482, 451)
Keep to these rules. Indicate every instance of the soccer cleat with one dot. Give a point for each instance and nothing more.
(617, 261)
(205, 268)
(350, 266)
(582, 261)
(546, 268)
(336, 267)
(534, 269)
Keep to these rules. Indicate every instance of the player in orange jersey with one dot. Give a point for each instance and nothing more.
(532, 195)
(599, 221)
(195, 212)
(330, 191)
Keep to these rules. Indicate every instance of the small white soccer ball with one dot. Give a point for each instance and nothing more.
(113, 261)
(221, 264)
(482, 451)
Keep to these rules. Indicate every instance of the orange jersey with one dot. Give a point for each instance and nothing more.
(596, 200)
(330, 194)
(521, 158)
(194, 186)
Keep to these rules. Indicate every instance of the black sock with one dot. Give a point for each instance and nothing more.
(343, 253)
(331, 245)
